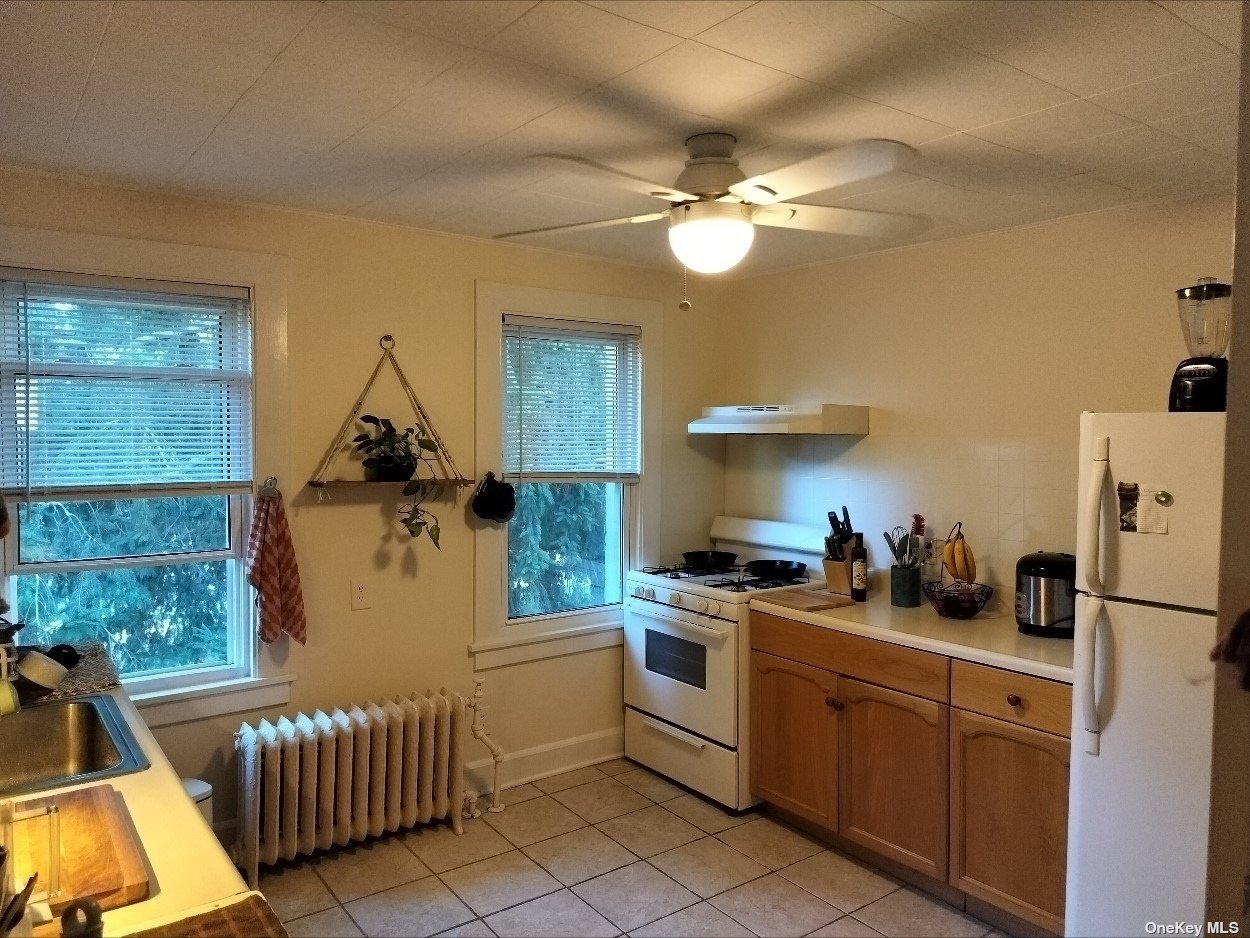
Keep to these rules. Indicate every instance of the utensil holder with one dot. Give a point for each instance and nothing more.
(838, 576)
(904, 586)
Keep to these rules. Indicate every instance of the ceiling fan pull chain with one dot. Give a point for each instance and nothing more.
(685, 305)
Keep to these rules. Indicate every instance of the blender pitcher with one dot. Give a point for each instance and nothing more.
(1201, 381)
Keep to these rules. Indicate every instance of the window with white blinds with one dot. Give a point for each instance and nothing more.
(572, 400)
(110, 385)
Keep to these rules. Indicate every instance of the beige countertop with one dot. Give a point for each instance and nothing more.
(189, 869)
(990, 638)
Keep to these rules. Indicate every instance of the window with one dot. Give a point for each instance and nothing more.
(126, 450)
(572, 444)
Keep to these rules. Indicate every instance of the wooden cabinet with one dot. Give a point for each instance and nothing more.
(794, 739)
(893, 765)
(1009, 816)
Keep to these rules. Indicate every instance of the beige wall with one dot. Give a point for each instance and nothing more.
(349, 282)
(976, 356)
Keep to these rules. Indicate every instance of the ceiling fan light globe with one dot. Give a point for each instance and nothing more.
(710, 237)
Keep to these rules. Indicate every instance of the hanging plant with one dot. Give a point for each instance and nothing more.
(415, 518)
(394, 455)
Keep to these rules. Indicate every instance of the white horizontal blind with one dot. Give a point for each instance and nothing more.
(106, 387)
(572, 399)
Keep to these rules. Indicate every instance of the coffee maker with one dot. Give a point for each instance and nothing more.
(1201, 381)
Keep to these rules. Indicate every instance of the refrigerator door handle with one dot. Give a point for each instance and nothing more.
(1086, 635)
(1092, 514)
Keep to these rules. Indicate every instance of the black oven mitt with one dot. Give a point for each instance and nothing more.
(494, 500)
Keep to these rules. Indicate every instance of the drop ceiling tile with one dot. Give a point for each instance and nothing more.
(964, 160)
(436, 194)
(813, 114)
(234, 165)
(1041, 131)
(645, 244)
(1179, 170)
(36, 123)
(696, 78)
(1214, 129)
(554, 35)
(1108, 152)
(267, 26)
(1068, 195)
(686, 19)
(541, 210)
(947, 206)
(1084, 47)
(584, 188)
(1211, 84)
(467, 21)
(1219, 19)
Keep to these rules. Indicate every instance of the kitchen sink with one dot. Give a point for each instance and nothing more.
(64, 742)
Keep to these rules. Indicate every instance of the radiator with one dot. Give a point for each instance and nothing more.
(308, 783)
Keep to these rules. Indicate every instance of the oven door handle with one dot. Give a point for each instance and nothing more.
(717, 634)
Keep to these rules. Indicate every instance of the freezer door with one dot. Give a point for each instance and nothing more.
(1179, 456)
(1138, 810)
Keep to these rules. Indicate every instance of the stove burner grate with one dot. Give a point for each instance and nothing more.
(684, 571)
(742, 584)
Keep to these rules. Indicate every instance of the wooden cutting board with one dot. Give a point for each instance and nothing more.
(808, 600)
(100, 854)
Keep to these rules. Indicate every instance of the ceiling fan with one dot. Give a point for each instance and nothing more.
(714, 208)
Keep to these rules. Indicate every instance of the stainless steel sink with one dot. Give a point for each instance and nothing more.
(64, 742)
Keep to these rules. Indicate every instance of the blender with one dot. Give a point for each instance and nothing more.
(1201, 381)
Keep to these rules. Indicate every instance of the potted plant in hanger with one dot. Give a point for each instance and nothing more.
(390, 455)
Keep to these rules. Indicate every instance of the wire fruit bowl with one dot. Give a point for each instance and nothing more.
(960, 600)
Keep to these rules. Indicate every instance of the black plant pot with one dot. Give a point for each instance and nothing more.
(390, 471)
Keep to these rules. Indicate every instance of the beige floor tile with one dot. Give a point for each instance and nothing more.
(651, 785)
(601, 800)
(997, 934)
(705, 815)
(846, 927)
(514, 795)
(532, 821)
(295, 891)
(352, 872)
(775, 908)
(579, 855)
(767, 842)
(616, 766)
(707, 866)
(635, 895)
(650, 831)
(440, 848)
(413, 910)
(474, 929)
(554, 783)
(555, 916)
(839, 880)
(698, 921)
(907, 913)
(508, 879)
(332, 923)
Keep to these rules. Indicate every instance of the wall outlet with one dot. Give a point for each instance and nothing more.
(360, 595)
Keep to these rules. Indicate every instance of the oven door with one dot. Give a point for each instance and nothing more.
(682, 667)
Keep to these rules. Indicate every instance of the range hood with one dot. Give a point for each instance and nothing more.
(825, 419)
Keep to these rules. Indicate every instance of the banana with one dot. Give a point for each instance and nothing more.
(957, 556)
(948, 551)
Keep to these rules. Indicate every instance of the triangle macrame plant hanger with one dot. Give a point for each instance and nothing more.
(443, 470)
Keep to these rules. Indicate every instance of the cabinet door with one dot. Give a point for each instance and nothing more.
(1009, 816)
(893, 774)
(794, 745)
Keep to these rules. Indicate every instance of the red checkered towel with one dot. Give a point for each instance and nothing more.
(272, 570)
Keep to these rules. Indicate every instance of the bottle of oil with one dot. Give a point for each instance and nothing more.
(859, 570)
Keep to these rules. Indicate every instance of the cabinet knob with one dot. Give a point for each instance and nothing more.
(834, 703)
(1014, 700)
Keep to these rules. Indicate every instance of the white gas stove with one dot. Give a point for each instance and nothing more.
(687, 655)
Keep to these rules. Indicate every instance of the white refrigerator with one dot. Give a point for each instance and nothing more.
(1148, 538)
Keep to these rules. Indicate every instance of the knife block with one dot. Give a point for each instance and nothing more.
(838, 576)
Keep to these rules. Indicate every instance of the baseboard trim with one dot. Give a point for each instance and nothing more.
(563, 755)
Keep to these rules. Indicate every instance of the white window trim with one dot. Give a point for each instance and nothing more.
(265, 275)
(496, 642)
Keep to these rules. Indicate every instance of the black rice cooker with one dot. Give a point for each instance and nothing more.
(1046, 594)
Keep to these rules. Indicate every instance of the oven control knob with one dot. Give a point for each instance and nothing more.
(699, 605)
(713, 607)
(640, 591)
(674, 599)
(648, 593)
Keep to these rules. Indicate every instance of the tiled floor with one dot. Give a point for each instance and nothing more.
(607, 850)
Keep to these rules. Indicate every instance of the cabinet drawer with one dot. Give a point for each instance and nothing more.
(1018, 698)
(905, 669)
(684, 757)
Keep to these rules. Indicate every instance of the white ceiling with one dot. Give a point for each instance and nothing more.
(422, 113)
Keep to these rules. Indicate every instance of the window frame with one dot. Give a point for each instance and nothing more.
(498, 640)
(265, 276)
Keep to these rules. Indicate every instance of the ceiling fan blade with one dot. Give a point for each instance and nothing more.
(866, 159)
(618, 177)
(843, 221)
(586, 225)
